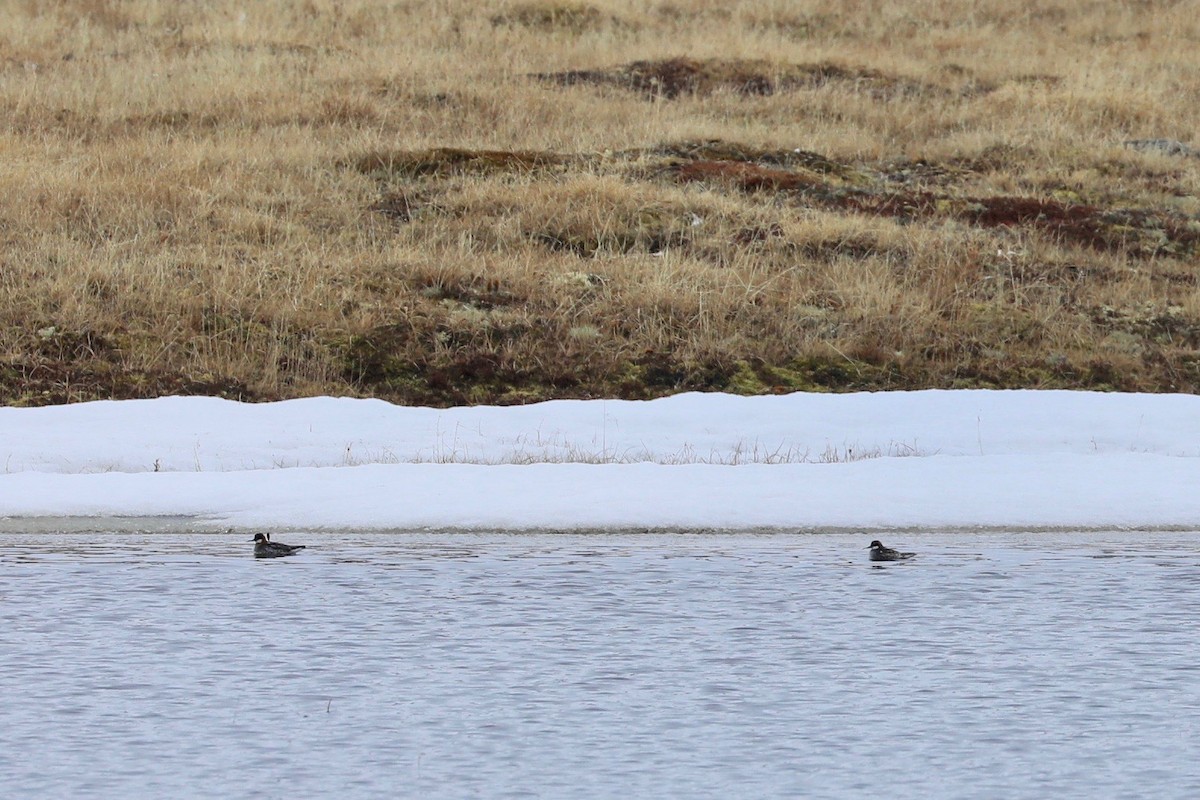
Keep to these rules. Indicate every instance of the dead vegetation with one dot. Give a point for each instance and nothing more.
(674, 77)
(438, 204)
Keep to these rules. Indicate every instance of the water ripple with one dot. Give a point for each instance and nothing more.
(160, 663)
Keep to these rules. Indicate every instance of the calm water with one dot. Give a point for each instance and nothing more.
(600, 666)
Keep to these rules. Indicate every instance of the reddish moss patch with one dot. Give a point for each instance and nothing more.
(996, 211)
(1077, 223)
(1142, 232)
(1104, 229)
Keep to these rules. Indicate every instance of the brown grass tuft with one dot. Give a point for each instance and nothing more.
(278, 199)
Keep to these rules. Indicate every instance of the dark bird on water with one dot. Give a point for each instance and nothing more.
(265, 548)
(881, 553)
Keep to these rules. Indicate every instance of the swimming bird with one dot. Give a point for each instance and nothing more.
(265, 548)
(881, 553)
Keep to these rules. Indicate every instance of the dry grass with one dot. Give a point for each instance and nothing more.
(452, 202)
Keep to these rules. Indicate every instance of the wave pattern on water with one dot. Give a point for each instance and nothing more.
(590, 666)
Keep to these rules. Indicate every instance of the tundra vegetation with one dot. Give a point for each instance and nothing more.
(452, 202)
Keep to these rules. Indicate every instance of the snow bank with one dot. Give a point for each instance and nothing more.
(872, 461)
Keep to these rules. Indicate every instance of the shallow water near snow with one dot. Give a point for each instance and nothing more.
(596, 666)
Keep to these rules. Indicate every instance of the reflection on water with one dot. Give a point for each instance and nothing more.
(457, 665)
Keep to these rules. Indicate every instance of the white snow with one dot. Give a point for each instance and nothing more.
(872, 461)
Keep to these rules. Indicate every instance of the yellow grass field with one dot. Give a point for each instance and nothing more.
(459, 202)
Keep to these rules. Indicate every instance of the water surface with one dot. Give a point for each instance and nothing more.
(597, 666)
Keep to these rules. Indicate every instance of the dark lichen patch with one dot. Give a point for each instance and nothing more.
(676, 77)
(997, 157)
(662, 371)
(858, 246)
(58, 345)
(757, 234)
(874, 83)
(427, 360)
(477, 291)
(800, 27)
(920, 172)
(624, 229)
(747, 177)
(441, 102)
(413, 362)
(1164, 325)
(817, 373)
(1180, 273)
(666, 79)
(720, 150)
(48, 381)
(1165, 147)
(1036, 78)
(401, 205)
(444, 161)
(174, 120)
(573, 18)
(650, 238)
(1067, 275)
(836, 373)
